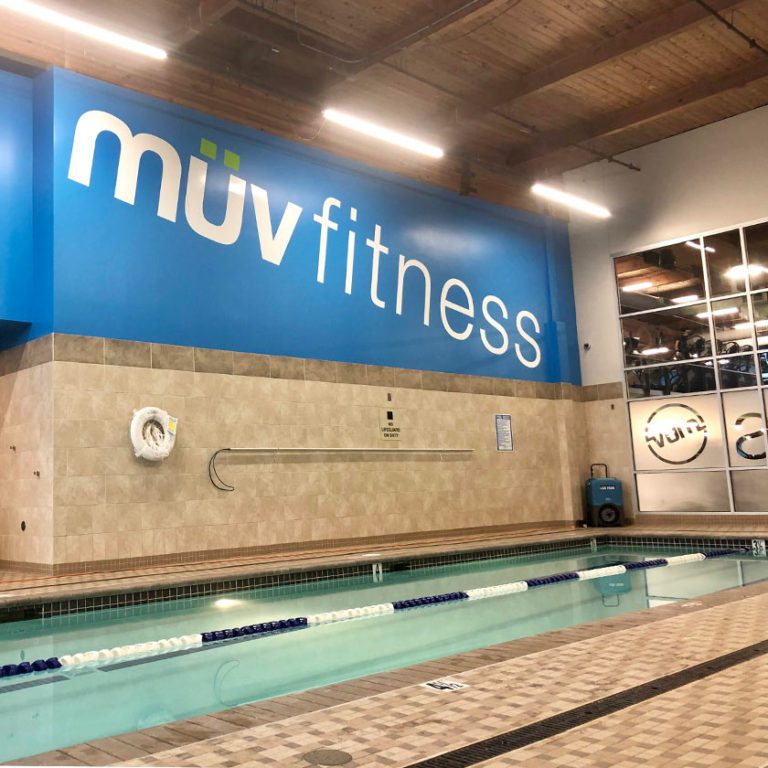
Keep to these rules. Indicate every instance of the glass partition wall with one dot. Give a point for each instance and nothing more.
(694, 327)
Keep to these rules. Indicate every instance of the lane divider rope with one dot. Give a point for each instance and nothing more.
(108, 656)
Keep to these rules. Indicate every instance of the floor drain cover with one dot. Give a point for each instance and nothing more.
(328, 757)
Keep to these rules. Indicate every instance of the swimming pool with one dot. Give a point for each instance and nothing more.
(83, 704)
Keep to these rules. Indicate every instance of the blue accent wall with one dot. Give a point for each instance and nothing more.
(117, 258)
(16, 244)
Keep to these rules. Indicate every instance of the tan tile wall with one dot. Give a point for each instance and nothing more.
(96, 502)
(26, 448)
(109, 505)
(573, 459)
(608, 441)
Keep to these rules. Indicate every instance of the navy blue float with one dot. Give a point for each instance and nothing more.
(282, 625)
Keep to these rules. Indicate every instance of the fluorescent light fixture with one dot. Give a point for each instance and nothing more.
(694, 244)
(63, 21)
(635, 287)
(719, 312)
(685, 299)
(747, 325)
(739, 272)
(571, 201)
(380, 132)
(655, 351)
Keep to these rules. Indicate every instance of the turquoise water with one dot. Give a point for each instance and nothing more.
(95, 703)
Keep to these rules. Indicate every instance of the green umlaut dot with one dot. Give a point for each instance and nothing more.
(208, 149)
(231, 160)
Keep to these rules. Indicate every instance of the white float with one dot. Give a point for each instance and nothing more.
(153, 433)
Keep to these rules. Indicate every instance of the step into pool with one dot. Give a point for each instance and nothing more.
(60, 707)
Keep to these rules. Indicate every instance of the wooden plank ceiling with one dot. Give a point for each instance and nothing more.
(515, 90)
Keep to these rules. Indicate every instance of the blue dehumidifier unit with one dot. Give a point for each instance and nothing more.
(605, 499)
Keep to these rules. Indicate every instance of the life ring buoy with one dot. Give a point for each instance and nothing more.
(153, 433)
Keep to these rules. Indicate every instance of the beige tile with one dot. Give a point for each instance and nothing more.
(351, 373)
(380, 376)
(37, 352)
(129, 353)
(171, 357)
(441, 382)
(78, 349)
(320, 370)
(610, 391)
(247, 364)
(504, 387)
(76, 491)
(525, 388)
(286, 367)
(213, 360)
(407, 378)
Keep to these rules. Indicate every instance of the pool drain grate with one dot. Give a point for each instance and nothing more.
(552, 726)
(328, 757)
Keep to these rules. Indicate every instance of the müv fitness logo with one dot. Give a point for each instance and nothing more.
(676, 433)
(460, 313)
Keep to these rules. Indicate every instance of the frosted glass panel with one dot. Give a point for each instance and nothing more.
(745, 429)
(750, 490)
(682, 433)
(683, 492)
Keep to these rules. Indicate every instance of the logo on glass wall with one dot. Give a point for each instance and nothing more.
(746, 445)
(676, 433)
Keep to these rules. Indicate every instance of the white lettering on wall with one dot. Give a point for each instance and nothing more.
(325, 223)
(455, 295)
(468, 310)
(228, 231)
(504, 346)
(273, 244)
(402, 269)
(350, 253)
(525, 315)
(377, 248)
(91, 125)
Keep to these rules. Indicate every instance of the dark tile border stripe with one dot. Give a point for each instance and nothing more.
(360, 574)
(197, 557)
(104, 351)
(472, 754)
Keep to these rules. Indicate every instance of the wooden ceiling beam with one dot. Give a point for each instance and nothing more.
(653, 31)
(407, 39)
(649, 109)
(207, 13)
(284, 42)
(349, 62)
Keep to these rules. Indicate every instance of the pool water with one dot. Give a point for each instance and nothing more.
(98, 702)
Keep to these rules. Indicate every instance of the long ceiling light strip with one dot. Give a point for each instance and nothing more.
(637, 287)
(383, 134)
(694, 244)
(84, 28)
(570, 201)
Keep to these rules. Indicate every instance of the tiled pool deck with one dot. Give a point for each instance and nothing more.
(390, 720)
